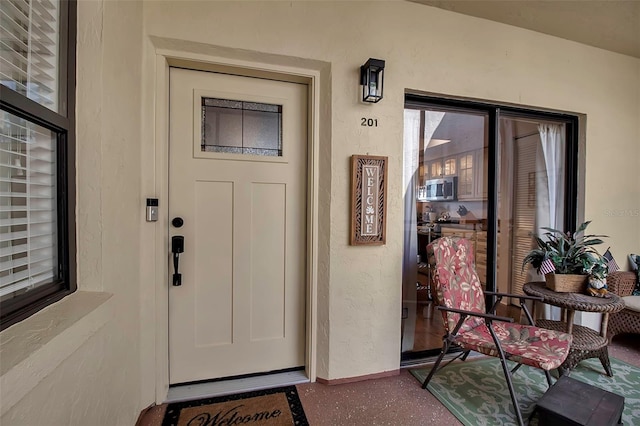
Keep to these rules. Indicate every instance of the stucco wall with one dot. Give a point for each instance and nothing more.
(429, 50)
(95, 385)
(359, 288)
(96, 382)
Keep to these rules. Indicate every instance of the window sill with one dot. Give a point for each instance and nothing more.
(33, 348)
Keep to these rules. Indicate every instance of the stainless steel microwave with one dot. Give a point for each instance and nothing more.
(442, 189)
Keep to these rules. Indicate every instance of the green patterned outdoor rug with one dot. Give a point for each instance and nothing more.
(476, 392)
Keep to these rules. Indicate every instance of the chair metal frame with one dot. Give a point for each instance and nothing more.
(450, 338)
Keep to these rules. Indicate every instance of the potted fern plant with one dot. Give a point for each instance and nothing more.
(567, 260)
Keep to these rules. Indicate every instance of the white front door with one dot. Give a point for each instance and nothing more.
(237, 180)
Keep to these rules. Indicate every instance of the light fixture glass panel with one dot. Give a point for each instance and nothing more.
(436, 142)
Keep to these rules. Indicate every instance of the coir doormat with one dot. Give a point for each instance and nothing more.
(269, 407)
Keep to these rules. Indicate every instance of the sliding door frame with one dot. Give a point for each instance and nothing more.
(574, 200)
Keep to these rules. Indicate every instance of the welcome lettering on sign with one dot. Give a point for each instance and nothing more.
(370, 203)
(368, 199)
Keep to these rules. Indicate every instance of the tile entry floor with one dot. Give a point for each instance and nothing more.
(398, 400)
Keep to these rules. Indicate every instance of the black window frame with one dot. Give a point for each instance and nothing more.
(495, 111)
(63, 125)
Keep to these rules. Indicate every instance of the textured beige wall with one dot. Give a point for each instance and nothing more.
(95, 385)
(429, 50)
(99, 382)
(359, 288)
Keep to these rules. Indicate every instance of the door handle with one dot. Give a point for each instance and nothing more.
(177, 247)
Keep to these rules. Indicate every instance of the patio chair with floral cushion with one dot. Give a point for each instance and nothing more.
(470, 326)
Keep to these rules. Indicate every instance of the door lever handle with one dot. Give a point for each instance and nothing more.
(177, 247)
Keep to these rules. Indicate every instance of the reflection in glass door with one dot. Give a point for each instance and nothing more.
(445, 195)
(530, 156)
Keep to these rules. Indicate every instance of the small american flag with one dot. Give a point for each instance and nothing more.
(611, 262)
(547, 267)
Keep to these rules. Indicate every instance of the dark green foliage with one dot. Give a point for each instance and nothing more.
(571, 253)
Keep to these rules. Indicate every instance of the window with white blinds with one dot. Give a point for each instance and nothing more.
(524, 206)
(29, 49)
(37, 144)
(28, 247)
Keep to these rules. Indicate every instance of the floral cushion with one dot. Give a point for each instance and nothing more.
(524, 344)
(457, 284)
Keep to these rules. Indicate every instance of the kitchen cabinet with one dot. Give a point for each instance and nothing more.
(425, 237)
(470, 168)
(482, 175)
(472, 176)
(466, 177)
(469, 234)
(481, 256)
(443, 167)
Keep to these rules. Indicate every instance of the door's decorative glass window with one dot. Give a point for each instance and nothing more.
(241, 127)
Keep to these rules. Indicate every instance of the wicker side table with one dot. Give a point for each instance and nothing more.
(587, 343)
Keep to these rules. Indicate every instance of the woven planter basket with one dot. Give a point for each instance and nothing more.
(566, 283)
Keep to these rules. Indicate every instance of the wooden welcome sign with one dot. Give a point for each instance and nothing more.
(368, 200)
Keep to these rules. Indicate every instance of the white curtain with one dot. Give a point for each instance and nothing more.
(550, 192)
(412, 125)
(552, 140)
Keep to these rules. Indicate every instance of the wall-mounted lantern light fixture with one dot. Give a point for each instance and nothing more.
(371, 80)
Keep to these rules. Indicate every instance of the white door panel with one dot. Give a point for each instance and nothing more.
(240, 308)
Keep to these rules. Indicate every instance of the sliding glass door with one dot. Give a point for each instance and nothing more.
(446, 157)
(491, 174)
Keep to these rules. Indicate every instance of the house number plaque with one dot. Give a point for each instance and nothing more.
(368, 200)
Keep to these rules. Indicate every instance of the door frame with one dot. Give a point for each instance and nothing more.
(196, 60)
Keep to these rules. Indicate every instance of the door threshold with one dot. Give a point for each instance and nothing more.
(228, 387)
